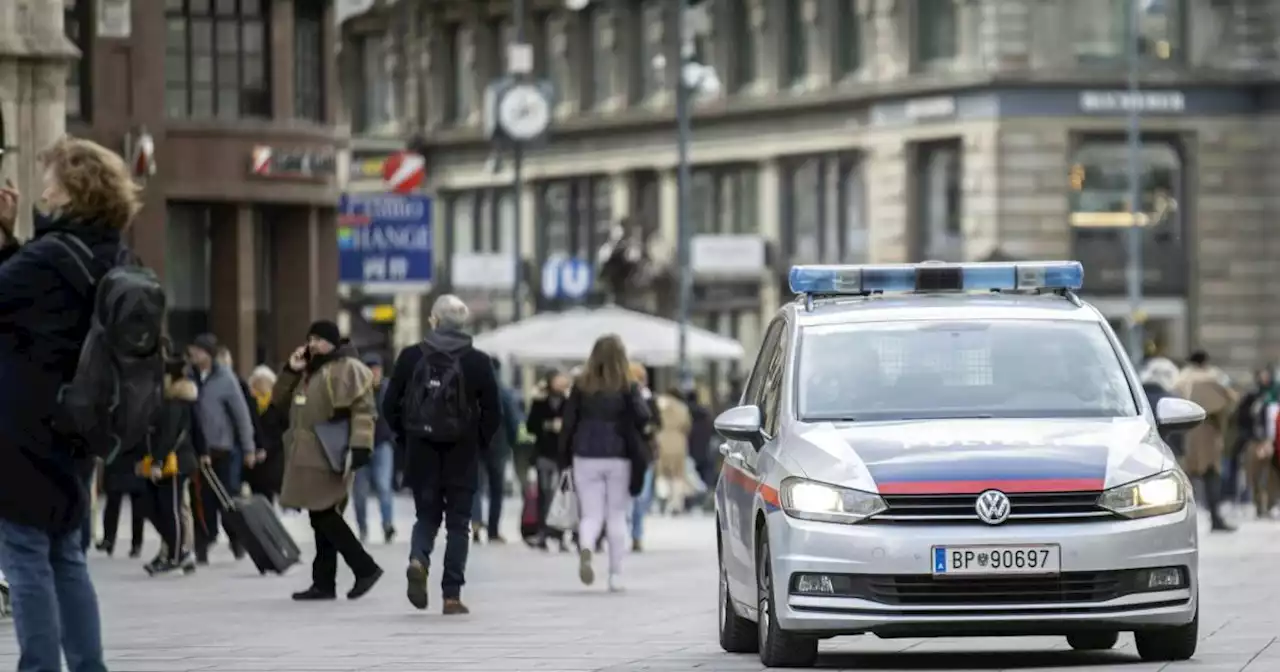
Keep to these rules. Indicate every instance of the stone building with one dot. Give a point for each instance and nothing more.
(35, 89)
(863, 131)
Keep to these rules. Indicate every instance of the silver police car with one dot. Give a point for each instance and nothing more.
(949, 450)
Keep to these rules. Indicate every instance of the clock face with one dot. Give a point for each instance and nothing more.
(524, 112)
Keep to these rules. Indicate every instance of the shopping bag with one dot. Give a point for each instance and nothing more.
(563, 512)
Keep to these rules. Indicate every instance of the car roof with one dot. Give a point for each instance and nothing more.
(949, 306)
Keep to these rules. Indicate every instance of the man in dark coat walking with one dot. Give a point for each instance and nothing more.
(89, 199)
(443, 475)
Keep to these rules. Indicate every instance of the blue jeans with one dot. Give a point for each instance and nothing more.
(55, 609)
(640, 506)
(375, 479)
(491, 486)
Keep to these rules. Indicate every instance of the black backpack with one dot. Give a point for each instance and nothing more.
(437, 407)
(118, 386)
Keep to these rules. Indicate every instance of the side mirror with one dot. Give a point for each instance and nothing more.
(1175, 415)
(742, 423)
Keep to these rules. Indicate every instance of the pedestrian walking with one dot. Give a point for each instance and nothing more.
(324, 381)
(1255, 442)
(272, 421)
(603, 442)
(172, 451)
(89, 199)
(492, 480)
(672, 470)
(443, 403)
(643, 500)
(258, 449)
(377, 478)
(224, 418)
(120, 480)
(546, 418)
(1207, 386)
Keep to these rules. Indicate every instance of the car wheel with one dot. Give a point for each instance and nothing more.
(1176, 643)
(737, 634)
(778, 648)
(1093, 641)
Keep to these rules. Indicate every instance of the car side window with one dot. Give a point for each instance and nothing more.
(771, 401)
(755, 383)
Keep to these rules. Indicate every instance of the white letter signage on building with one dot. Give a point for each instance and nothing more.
(1147, 102)
(384, 238)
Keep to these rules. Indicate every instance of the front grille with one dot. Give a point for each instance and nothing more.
(923, 590)
(1044, 507)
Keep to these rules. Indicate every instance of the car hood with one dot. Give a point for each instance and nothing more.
(969, 456)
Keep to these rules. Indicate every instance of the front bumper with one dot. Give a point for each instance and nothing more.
(880, 551)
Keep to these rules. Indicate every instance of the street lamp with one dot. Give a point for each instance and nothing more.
(1134, 279)
(695, 78)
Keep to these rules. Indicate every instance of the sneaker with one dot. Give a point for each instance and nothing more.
(314, 594)
(636, 546)
(475, 532)
(585, 573)
(135, 551)
(615, 583)
(389, 535)
(104, 547)
(455, 607)
(364, 584)
(417, 592)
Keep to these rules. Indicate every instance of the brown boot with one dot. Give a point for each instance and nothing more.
(455, 607)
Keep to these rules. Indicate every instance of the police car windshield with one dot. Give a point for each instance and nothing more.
(960, 369)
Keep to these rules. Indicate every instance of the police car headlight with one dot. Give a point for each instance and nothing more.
(811, 500)
(1155, 496)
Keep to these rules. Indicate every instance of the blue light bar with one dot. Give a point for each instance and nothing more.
(937, 277)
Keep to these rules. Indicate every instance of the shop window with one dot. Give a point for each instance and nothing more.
(1101, 29)
(78, 25)
(462, 79)
(938, 207)
(653, 64)
(1098, 179)
(481, 220)
(936, 32)
(824, 209)
(601, 37)
(724, 200)
(216, 59)
(308, 61)
(744, 68)
(187, 264)
(575, 217)
(375, 105)
(558, 59)
(798, 36)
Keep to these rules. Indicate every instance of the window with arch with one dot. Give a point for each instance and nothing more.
(1098, 182)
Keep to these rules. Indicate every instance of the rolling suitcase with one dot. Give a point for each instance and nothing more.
(256, 527)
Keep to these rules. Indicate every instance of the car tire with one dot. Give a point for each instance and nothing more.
(1093, 641)
(1165, 644)
(737, 634)
(778, 648)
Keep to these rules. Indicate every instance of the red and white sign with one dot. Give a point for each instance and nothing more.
(404, 172)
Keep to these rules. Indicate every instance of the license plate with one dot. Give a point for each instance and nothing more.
(996, 560)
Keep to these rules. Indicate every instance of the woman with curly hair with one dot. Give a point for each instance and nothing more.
(89, 199)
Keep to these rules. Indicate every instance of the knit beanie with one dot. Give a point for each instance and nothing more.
(326, 330)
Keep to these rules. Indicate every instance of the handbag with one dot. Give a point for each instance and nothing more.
(335, 442)
(563, 513)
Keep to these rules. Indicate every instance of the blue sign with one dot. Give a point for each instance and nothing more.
(384, 238)
(566, 278)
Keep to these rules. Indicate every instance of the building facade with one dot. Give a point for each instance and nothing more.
(35, 91)
(240, 98)
(869, 131)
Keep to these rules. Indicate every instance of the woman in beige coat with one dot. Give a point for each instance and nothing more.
(325, 381)
(1207, 386)
(672, 482)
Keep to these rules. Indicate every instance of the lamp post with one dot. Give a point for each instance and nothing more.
(693, 78)
(1134, 273)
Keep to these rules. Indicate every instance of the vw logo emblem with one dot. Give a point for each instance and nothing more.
(992, 507)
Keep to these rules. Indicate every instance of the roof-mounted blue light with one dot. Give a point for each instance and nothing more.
(937, 277)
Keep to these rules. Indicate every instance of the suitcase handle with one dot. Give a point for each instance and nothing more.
(215, 484)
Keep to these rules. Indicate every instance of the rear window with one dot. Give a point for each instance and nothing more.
(961, 369)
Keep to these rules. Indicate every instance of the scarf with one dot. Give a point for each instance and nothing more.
(264, 401)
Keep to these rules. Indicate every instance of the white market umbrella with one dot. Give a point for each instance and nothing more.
(568, 337)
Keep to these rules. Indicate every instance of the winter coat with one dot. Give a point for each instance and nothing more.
(480, 385)
(340, 385)
(176, 430)
(673, 437)
(546, 418)
(43, 323)
(224, 413)
(272, 422)
(1204, 444)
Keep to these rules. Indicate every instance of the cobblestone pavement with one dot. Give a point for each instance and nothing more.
(530, 613)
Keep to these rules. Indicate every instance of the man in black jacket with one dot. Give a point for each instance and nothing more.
(89, 195)
(442, 475)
